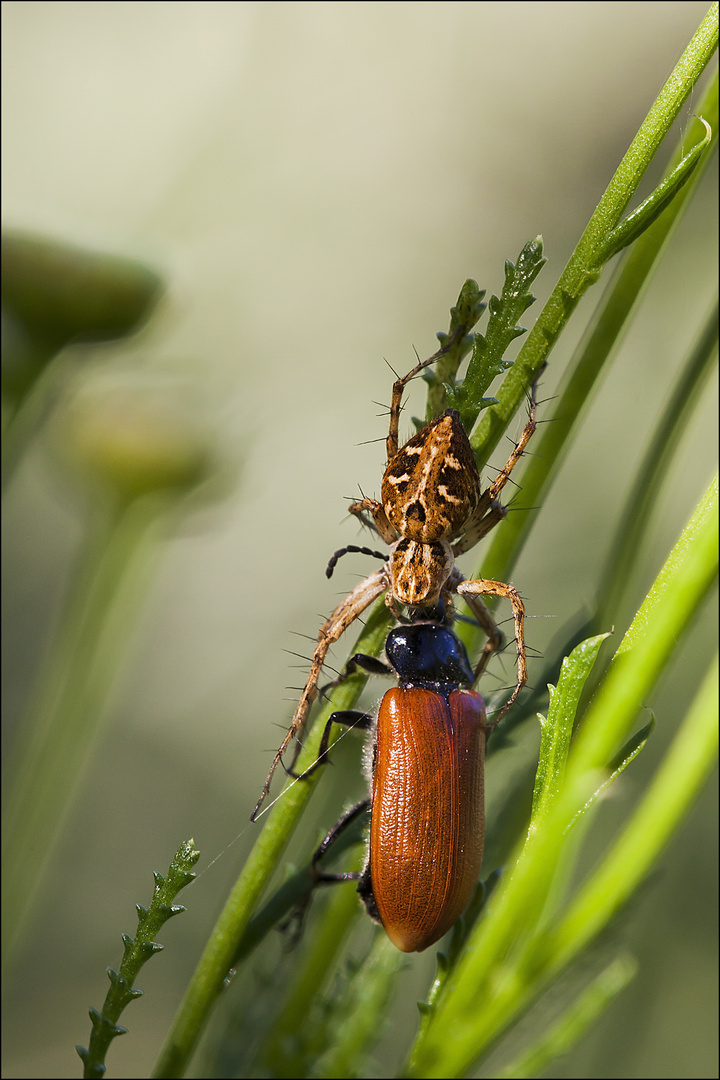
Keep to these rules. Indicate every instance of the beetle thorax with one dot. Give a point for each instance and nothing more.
(419, 571)
(431, 486)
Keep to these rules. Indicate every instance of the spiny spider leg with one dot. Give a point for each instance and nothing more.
(399, 387)
(506, 592)
(344, 614)
(379, 524)
(495, 637)
(486, 521)
(527, 432)
(489, 512)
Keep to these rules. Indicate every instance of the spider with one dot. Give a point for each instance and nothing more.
(432, 508)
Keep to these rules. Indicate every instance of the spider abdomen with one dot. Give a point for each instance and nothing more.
(430, 487)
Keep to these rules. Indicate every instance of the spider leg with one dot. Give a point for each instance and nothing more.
(495, 637)
(506, 592)
(489, 512)
(527, 433)
(399, 388)
(344, 614)
(382, 525)
(487, 515)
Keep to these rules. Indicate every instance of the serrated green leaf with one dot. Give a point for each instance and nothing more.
(457, 342)
(487, 361)
(136, 952)
(557, 729)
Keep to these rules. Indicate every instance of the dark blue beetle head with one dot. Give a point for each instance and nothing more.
(428, 655)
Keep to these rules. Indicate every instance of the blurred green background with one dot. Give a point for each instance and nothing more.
(314, 182)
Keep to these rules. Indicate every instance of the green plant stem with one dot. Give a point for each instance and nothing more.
(592, 353)
(505, 965)
(585, 264)
(676, 784)
(294, 1041)
(26, 415)
(214, 964)
(624, 551)
(369, 999)
(57, 736)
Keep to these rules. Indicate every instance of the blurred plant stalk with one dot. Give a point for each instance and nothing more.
(137, 459)
(139, 465)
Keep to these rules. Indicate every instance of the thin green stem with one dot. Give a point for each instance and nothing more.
(57, 736)
(592, 353)
(294, 1041)
(368, 1001)
(221, 949)
(505, 964)
(623, 554)
(30, 411)
(676, 784)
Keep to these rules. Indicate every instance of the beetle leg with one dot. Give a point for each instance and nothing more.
(373, 665)
(506, 592)
(317, 876)
(352, 719)
(344, 614)
(339, 827)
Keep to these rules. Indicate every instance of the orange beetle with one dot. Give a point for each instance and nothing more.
(427, 804)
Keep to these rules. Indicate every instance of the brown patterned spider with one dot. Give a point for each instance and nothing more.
(432, 508)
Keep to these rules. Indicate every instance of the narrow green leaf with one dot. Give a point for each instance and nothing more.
(629, 752)
(689, 760)
(643, 496)
(635, 224)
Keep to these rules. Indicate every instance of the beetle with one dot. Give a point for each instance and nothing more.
(432, 509)
(427, 773)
